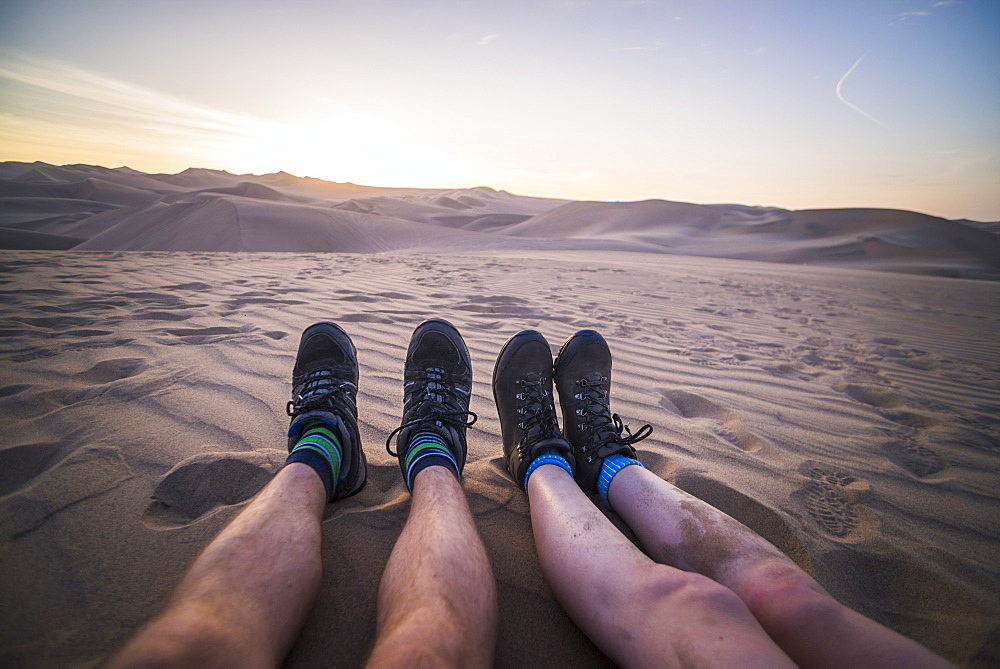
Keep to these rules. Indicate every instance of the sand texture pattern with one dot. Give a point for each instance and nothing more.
(850, 417)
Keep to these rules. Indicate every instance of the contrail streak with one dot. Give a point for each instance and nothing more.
(856, 108)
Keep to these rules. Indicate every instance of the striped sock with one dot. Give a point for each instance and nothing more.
(319, 447)
(427, 449)
(549, 456)
(612, 465)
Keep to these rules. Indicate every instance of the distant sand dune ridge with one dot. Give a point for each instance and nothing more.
(97, 208)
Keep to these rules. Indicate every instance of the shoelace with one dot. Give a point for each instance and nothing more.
(316, 392)
(433, 408)
(608, 427)
(538, 412)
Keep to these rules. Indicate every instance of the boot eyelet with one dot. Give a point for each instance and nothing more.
(519, 396)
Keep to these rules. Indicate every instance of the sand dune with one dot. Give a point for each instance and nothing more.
(877, 239)
(849, 416)
(77, 200)
(248, 224)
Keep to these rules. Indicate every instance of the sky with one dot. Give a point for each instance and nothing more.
(790, 103)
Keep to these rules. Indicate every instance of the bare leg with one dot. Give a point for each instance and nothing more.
(437, 602)
(813, 628)
(245, 598)
(638, 612)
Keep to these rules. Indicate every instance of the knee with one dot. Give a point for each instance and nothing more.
(178, 642)
(700, 593)
(403, 650)
(434, 636)
(789, 598)
(426, 648)
(693, 594)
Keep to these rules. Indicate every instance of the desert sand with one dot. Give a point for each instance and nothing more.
(850, 416)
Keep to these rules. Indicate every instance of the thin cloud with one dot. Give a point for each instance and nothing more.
(758, 52)
(68, 111)
(487, 39)
(840, 95)
(103, 98)
(910, 15)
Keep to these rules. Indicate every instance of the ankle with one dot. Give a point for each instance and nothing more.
(549, 456)
(609, 469)
(427, 449)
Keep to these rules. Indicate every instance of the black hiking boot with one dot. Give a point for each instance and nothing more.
(583, 379)
(437, 385)
(325, 388)
(522, 388)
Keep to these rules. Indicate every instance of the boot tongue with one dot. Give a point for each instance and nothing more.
(557, 443)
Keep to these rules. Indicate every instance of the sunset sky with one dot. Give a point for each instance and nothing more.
(799, 104)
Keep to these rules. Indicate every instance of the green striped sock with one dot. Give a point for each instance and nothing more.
(319, 447)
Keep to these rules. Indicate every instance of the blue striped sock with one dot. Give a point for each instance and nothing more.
(612, 465)
(427, 449)
(549, 456)
(319, 448)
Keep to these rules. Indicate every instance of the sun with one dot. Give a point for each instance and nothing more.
(355, 148)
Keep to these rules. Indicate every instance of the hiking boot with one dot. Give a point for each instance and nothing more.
(582, 374)
(522, 388)
(437, 385)
(325, 388)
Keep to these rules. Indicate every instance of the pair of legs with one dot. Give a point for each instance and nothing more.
(707, 591)
(245, 598)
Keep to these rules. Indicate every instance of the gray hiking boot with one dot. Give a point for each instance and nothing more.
(522, 388)
(437, 386)
(582, 374)
(325, 388)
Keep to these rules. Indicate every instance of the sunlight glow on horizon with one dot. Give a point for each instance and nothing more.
(604, 100)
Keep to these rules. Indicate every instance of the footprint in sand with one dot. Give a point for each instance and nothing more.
(915, 458)
(205, 335)
(763, 520)
(501, 306)
(109, 370)
(892, 348)
(909, 418)
(722, 422)
(789, 371)
(827, 498)
(202, 483)
(20, 464)
(876, 396)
